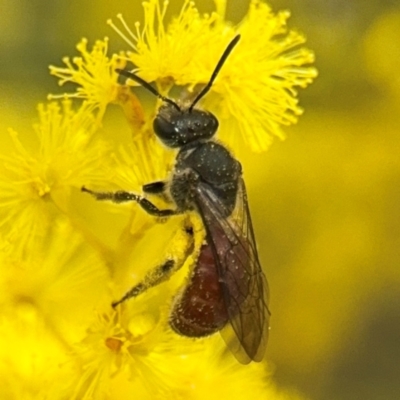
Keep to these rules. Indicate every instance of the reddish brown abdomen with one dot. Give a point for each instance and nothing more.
(200, 310)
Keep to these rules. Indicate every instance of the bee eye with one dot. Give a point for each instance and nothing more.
(164, 129)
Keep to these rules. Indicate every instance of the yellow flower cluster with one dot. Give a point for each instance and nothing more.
(66, 258)
(255, 92)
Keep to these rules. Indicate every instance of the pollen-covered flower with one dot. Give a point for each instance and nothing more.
(254, 93)
(164, 54)
(35, 185)
(93, 72)
(131, 347)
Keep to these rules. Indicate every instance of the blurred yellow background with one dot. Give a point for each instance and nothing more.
(325, 202)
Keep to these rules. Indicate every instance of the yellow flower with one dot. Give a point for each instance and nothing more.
(131, 346)
(166, 55)
(95, 74)
(47, 297)
(33, 362)
(254, 93)
(36, 187)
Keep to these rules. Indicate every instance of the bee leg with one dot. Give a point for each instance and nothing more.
(154, 187)
(164, 271)
(121, 196)
(153, 278)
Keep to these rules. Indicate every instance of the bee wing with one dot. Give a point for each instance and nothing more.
(244, 285)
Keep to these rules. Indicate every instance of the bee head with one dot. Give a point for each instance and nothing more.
(176, 127)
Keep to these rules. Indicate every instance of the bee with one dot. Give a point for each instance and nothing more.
(227, 290)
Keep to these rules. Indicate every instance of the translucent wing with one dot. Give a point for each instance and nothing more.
(244, 285)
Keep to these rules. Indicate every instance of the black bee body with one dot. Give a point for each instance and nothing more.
(227, 290)
(210, 163)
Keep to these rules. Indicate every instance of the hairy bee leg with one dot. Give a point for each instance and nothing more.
(154, 187)
(121, 196)
(164, 271)
(153, 278)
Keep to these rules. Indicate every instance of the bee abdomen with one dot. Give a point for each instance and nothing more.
(200, 310)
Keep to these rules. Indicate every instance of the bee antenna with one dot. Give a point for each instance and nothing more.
(147, 86)
(221, 62)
